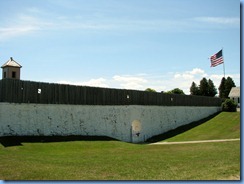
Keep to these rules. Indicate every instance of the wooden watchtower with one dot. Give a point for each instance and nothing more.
(11, 69)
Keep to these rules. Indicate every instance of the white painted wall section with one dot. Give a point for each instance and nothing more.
(127, 123)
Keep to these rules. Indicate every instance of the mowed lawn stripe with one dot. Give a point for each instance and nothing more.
(119, 161)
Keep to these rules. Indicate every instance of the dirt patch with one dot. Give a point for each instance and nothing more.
(235, 177)
(194, 142)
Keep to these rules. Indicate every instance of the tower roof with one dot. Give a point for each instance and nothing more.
(11, 62)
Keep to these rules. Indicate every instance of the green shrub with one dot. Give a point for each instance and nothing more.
(229, 105)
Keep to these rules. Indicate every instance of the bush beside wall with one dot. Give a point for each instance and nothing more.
(229, 105)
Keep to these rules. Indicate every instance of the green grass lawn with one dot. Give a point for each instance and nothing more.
(225, 125)
(115, 160)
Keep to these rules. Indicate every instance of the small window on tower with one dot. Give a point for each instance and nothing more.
(13, 75)
(4, 75)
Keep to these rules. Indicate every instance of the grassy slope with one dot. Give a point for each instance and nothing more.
(114, 160)
(225, 125)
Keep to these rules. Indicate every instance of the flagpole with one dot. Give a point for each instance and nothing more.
(223, 62)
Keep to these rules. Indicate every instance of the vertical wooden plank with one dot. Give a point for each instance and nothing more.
(1, 93)
(85, 95)
(100, 96)
(120, 97)
(56, 93)
(48, 91)
(158, 98)
(88, 96)
(35, 92)
(13, 91)
(60, 94)
(129, 92)
(19, 93)
(51, 96)
(25, 98)
(5, 85)
(29, 92)
(94, 95)
(64, 95)
(10, 90)
(7, 90)
(115, 97)
(67, 97)
(107, 94)
(80, 91)
(22, 91)
(77, 91)
(141, 98)
(75, 96)
(124, 99)
(133, 97)
(71, 94)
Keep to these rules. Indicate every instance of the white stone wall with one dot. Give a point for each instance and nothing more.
(127, 123)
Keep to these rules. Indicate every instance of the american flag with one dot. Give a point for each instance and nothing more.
(217, 59)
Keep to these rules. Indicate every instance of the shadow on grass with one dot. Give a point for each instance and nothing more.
(8, 141)
(179, 130)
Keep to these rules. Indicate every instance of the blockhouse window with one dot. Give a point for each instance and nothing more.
(4, 75)
(13, 75)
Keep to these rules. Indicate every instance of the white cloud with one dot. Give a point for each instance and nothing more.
(182, 80)
(219, 20)
(130, 82)
(190, 75)
(197, 71)
(16, 30)
(22, 25)
(184, 76)
(100, 82)
(129, 79)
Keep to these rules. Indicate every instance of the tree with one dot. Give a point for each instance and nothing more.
(194, 90)
(212, 91)
(225, 87)
(150, 90)
(203, 87)
(222, 88)
(176, 91)
(206, 88)
(229, 83)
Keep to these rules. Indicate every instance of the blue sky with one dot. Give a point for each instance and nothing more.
(128, 44)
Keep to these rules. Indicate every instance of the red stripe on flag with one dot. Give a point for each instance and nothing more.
(217, 59)
(216, 62)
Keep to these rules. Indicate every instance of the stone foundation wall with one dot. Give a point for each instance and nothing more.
(131, 123)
